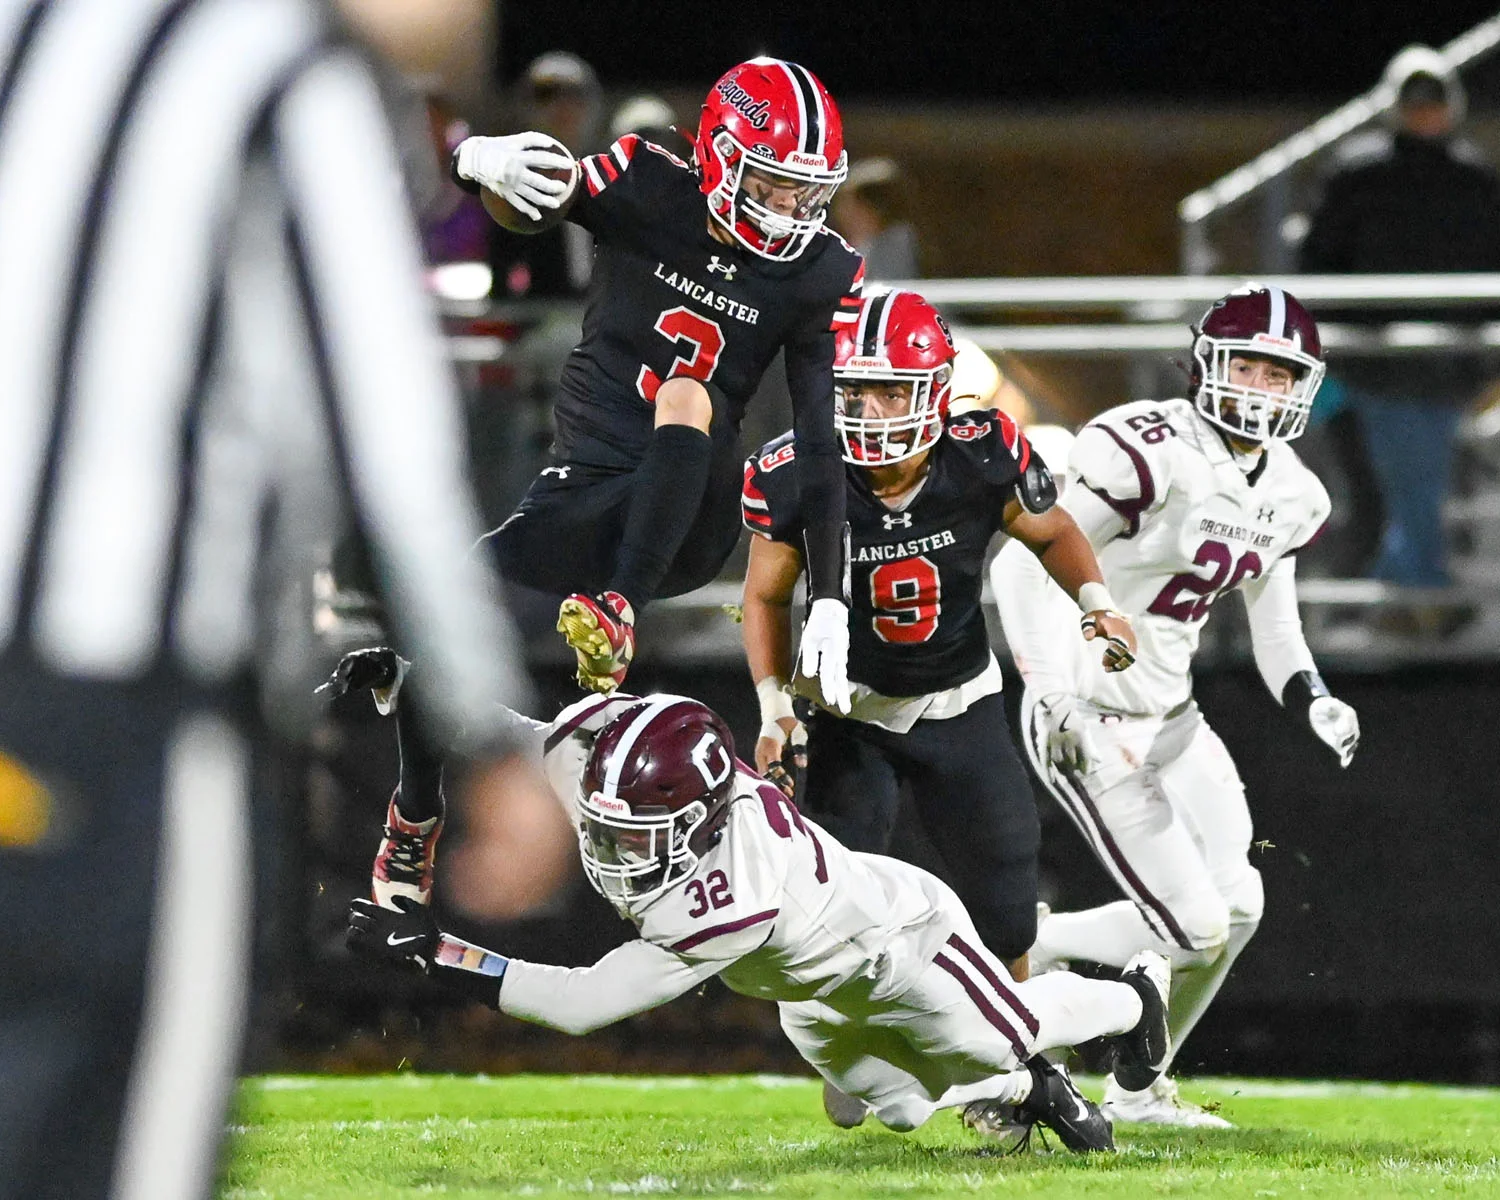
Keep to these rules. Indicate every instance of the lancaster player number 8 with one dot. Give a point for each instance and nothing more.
(907, 597)
(705, 342)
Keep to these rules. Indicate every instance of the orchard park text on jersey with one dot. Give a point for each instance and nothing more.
(706, 296)
(1235, 533)
(921, 545)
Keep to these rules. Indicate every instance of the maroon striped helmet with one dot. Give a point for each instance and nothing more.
(1256, 323)
(654, 797)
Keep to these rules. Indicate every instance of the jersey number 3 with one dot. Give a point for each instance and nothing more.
(705, 342)
(907, 597)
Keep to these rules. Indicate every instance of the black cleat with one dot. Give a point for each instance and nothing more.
(1141, 1055)
(1062, 1108)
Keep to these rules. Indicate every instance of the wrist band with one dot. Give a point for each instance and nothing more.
(775, 701)
(1095, 597)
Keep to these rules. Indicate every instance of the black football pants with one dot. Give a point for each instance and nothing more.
(971, 794)
(565, 534)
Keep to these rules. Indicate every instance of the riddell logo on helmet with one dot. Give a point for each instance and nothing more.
(757, 112)
(1266, 338)
(874, 364)
(797, 159)
(609, 804)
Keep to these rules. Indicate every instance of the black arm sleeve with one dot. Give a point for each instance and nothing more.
(819, 466)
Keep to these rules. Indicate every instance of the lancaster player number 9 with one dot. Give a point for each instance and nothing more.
(705, 342)
(907, 597)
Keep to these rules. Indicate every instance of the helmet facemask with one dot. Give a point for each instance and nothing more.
(745, 174)
(633, 857)
(875, 441)
(1249, 413)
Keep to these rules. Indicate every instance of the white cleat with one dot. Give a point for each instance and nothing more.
(1158, 1104)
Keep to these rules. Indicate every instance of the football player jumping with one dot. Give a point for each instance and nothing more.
(926, 493)
(1184, 501)
(689, 305)
(881, 981)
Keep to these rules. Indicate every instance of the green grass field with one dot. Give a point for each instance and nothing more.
(370, 1138)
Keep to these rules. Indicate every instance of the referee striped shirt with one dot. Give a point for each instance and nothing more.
(212, 335)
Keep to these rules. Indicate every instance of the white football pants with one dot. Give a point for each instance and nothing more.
(961, 1032)
(1164, 811)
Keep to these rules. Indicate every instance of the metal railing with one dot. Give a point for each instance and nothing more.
(1270, 170)
(1149, 315)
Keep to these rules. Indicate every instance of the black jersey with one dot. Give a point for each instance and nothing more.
(667, 298)
(915, 625)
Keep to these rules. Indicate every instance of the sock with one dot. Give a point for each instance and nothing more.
(1009, 1087)
(1072, 1008)
(664, 501)
(1110, 935)
(419, 797)
(1194, 987)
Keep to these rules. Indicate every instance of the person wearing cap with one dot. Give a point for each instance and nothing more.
(1412, 197)
(868, 211)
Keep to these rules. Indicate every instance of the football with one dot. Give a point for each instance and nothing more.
(512, 218)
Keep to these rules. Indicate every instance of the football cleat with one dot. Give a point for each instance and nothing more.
(602, 633)
(843, 1110)
(1000, 1121)
(1142, 1054)
(1158, 1104)
(403, 864)
(1062, 1108)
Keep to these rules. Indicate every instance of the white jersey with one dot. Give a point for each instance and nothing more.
(1199, 521)
(777, 907)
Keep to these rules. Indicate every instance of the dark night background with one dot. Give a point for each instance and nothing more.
(1024, 54)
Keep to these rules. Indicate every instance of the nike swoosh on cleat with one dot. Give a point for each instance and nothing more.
(1083, 1112)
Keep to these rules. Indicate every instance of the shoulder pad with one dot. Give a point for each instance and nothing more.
(1124, 464)
(992, 441)
(768, 496)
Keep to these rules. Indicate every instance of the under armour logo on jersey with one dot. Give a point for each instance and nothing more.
(891, 520)
(560, 472)
(728, 268)
(1265, 512)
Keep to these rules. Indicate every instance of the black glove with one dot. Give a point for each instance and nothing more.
(404, 936)
(376, 668)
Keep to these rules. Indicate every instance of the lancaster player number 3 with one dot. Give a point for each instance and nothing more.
(705, 341)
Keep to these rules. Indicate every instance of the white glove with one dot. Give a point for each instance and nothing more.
(1068, 742)
(1337, 724)
(824, 655)
(512, 167)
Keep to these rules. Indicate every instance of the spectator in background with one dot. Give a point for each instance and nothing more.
(559, 95)
(1412, 198)
(455, 227)
(652, 118)
(869, 212)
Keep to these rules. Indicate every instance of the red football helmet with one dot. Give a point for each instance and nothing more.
(770, 139)
(898, 339)
(654, 797)
(1256, 322)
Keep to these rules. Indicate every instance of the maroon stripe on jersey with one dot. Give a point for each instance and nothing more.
(1165, 923)
(1316, 534)
(981, 1002)
(1131, 510)
(984, 968)
(713, 931)
(572, 723)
